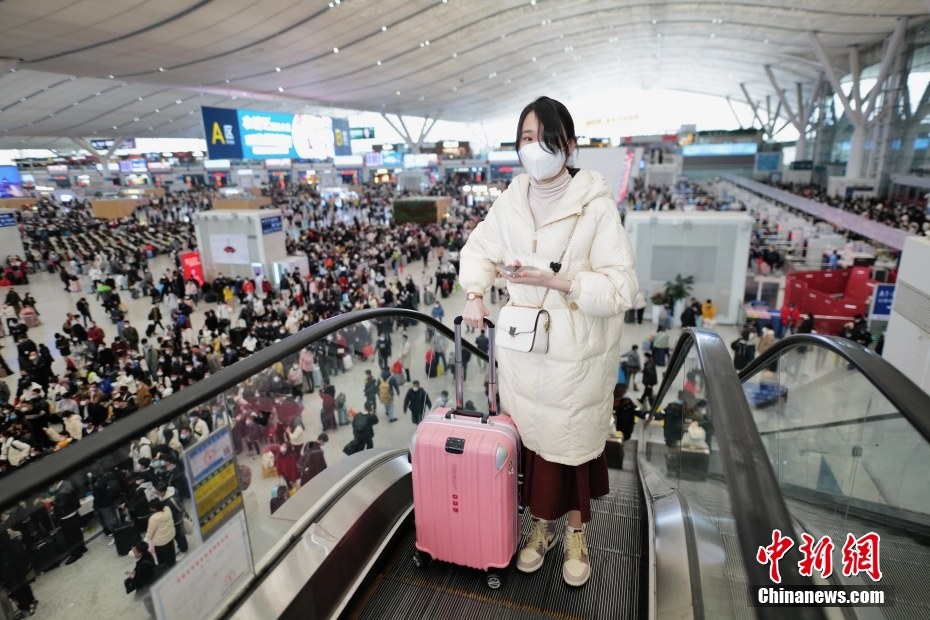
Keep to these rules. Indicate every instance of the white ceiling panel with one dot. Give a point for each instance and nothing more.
(580, 46)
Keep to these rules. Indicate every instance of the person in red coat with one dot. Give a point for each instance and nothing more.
(791, 317)
(286, 464)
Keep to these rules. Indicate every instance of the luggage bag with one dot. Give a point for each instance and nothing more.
(466, 481)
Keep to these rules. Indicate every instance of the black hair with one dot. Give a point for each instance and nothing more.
(558, 128)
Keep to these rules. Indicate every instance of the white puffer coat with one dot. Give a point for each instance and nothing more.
(561, 401)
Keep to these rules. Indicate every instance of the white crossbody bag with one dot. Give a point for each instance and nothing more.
(526, 328)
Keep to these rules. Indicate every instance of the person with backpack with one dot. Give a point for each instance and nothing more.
(650, 379)
(387, 388)
(311, 460)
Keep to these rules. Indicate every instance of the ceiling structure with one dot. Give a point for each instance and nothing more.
(143, 68)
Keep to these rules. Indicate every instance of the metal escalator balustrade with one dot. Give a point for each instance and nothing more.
(847, 436)
(704, 441)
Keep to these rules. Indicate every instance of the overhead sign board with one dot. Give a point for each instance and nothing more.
(362, 133)
(882, 299)
(271, 225)
(252, 134)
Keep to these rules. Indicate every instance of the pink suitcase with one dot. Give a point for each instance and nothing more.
(466, 481)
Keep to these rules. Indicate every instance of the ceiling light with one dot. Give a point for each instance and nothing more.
(280, 89)
(135, 120)
(23, 99)
(383, 28)
(140, 98)
(426, 43)
(397, 92)
(110, 76)
(331, 5)
(765, 40)
(658, 35)
(455, 89)
(76, 103)
(532, 2)
(177, 102)
(227, 81)
(421, 98)
(508, 81)
(157, 110)
(97, 94)
(234, 97)
(492, 75)
(713, 36)
(161, 69)
(277, 69)
(378, 63)
(191, 112)
(115, 127)
(569, 48)
(455, 54)
(533, 59)
(45, 89)
(654, 22)
(335, 50)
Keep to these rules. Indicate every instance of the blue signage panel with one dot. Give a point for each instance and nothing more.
(221, 129)
(7, 219)
(881, 305)
(271, 225)
(252, 134)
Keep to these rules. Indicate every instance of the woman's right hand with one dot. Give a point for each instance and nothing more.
(474, 313)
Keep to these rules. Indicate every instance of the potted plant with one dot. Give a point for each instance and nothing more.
(675, 294)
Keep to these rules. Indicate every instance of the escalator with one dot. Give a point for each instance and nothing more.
(666, 542)
(817, 436)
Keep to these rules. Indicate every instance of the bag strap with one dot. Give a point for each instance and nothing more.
(558, 265)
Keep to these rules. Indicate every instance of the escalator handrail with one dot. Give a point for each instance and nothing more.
(22, 482)
(756, 500)
(911, 401)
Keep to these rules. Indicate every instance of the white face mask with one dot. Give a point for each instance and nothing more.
(539, 163)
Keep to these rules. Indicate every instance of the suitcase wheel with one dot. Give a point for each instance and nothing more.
(420, 559)
(494, 581)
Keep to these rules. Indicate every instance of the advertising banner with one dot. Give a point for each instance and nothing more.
(230, 249)
(252, 134)
(192, 267)
(342, 135)
(11, 184)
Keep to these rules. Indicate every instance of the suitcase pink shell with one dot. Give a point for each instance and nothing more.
(465, 488)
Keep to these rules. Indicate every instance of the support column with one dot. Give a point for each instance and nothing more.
(859, 114)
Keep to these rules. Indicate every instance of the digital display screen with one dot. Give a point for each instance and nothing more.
(11, 183)
(252, 134)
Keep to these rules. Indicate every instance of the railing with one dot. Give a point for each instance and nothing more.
(229, 522)
(707, 426)
(848, 436)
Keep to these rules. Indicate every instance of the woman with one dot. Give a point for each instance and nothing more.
(160, 532)
(585, 294)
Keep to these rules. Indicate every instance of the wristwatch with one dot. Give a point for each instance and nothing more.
(471, 296)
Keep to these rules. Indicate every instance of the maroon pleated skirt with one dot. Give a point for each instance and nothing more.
(551, 489)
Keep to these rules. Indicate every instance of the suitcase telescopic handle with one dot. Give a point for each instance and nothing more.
(458, 372)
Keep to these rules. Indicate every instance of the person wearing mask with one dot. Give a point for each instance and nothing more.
(160, 532)
(660, 346)
(405, 358)
(563, 224)
(417, 402)
(639, 305)
(363, 430)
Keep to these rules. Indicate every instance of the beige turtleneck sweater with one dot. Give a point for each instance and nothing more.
(543, 196)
